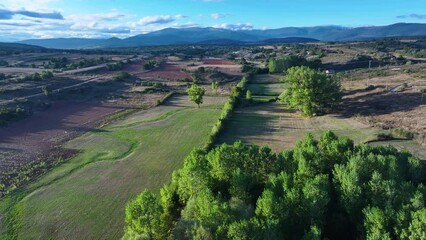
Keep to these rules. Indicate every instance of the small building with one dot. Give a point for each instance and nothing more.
(330, 72)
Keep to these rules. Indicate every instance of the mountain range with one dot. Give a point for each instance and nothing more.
(213, 36)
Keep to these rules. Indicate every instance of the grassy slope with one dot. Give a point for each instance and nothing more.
(85, 197)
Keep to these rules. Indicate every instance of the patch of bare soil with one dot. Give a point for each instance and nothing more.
(25, 141)
(166, 71)
(217, 62)
(395, 102)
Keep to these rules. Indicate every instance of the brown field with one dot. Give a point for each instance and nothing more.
(167, 71)
(217, 62)
(395, 102)
(25, 141)
(19, 71)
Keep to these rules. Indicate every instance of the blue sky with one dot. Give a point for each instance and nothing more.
(22, 19)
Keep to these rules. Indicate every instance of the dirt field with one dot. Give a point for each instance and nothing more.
(395, 102)
(217, 62)
(28, 140)
(166, 71)
(363, 114)
(16, 71)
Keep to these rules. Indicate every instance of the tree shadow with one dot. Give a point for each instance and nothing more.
(375, 103)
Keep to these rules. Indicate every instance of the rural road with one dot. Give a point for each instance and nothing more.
(53, 91)
(76, 71)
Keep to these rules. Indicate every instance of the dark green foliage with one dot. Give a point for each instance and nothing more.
(65, 64)
(38, 77)
(234, 99)
(120, 76)
(32, 77)
(310, 91)
(283, 64)
(320, 189)
(46, 75)
(151, 64)
(115, 66)
(46, 90)
(249, 96)
(196, 77)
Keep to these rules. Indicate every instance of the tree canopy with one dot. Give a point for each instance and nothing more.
(310, 91)
(281, 65)
(326, 188)
(196, 94)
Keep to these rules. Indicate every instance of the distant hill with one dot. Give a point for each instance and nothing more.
(65, 43)
(12, 48)
(19, 46)
(171, 36)
(289, 40)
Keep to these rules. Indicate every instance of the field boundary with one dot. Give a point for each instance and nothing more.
(228, 108)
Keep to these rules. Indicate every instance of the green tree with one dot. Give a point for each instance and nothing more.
(417, 227)
(196, 94)
(310, 91)
(325, 189)
(249, 96)
(46, 75)
(143, 216)
(272, 65)
(215, 87)
(46, 90)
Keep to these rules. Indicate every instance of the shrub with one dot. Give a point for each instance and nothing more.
(151, 64)
(120, 76)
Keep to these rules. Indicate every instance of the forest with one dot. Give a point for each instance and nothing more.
(322, 189)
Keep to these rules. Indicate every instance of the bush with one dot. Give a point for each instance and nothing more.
(114, 66)
(120, 76)
(151, 64)
(46, 75)
(46, 90)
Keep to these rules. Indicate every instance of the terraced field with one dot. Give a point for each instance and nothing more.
(85, 197)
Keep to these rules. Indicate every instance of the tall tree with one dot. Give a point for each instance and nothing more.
(196, 94)
(215, 86)
(310, 91)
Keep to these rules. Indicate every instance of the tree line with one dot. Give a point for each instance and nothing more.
(326, 188)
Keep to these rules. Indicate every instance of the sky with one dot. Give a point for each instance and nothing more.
(29, 19)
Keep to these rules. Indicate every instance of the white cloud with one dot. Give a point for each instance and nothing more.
(218, 15)
(32, 5)
(413, 15)
(150, 20)
(235, 27)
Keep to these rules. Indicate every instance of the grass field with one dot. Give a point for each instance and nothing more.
(274, 125)
(85, 197)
